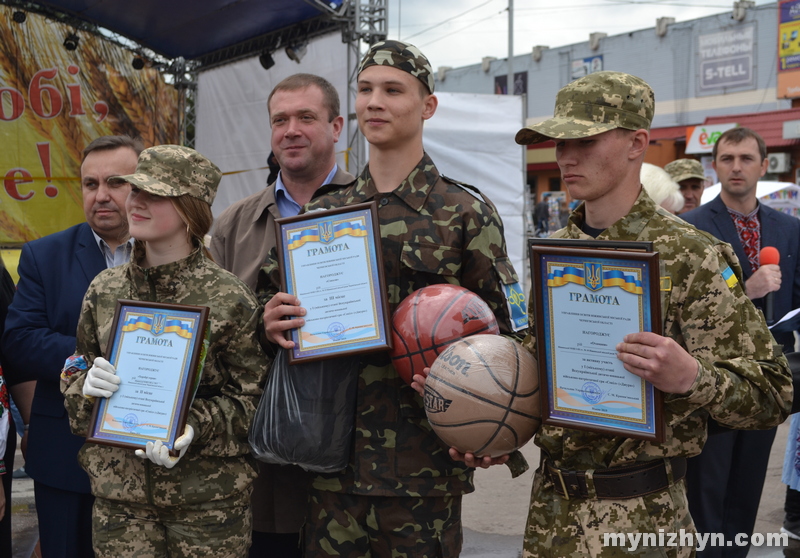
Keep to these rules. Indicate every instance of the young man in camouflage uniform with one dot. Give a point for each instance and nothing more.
(716, 358)
(401, 493)
(148, 503)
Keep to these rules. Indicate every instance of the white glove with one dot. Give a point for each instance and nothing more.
(102, 379)
(158, 453)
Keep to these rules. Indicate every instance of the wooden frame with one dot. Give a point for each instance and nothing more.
(158, 350)
(342, 285)
(583, 384)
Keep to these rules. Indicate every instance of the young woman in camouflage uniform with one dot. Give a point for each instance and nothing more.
(149, 503)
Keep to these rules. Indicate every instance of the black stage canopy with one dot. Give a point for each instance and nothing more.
(209, 31)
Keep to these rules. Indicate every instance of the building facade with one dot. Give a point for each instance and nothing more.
(708, 74)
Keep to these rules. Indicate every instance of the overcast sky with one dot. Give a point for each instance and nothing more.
(461, 32)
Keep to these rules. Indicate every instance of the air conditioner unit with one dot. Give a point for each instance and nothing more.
(779, 162)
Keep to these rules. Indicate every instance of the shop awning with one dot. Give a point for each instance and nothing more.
(769, 125)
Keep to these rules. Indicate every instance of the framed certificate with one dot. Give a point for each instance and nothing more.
(588, 295)
(158, 351)
(331, 260)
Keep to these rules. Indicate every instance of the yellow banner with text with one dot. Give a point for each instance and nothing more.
(60, 88)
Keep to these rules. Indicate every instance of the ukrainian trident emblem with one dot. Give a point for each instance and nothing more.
(326, 231)
(159, 322)
(593, 276)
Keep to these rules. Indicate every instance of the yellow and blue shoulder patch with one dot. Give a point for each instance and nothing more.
(730, 277)
(517, 306)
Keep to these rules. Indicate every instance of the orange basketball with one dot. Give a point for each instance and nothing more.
(431, 318)
(482, 396)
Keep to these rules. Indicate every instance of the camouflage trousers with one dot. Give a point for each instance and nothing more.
(353, 526)
(219, 529)
(558, 527)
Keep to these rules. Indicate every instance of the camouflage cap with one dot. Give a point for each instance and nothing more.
(174, 170)
(594, 104)
(683, 169)
(402, 56)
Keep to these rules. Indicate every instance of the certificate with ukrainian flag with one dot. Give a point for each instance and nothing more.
(332, 261)
(158, 351)
(588, 295)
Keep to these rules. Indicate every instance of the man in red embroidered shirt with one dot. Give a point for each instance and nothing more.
(725, 481)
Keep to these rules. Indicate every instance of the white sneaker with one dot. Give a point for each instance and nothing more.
(791, 534)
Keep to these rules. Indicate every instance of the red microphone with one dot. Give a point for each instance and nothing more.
(769, 256)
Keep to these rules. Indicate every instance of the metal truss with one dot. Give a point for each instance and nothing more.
(364, 22)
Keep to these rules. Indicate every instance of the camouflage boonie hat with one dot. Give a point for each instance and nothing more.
(594, 104)
(402, 56)
(174, 170)
(683, 169)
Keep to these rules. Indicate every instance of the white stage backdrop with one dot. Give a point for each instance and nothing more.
(470, 138)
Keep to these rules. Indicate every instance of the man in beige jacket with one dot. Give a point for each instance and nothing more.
(306, 125)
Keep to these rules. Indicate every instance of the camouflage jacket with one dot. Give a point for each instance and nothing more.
(433, 230)
(743, 381)
(218, 462)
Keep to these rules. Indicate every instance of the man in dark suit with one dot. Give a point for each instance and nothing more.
(725, 481)
(55, 272)
(306, 124)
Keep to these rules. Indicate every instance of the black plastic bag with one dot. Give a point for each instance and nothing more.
(306, 415)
